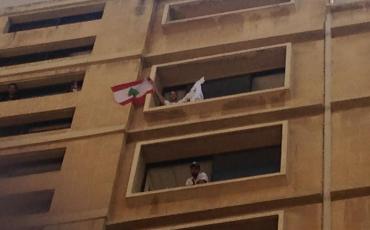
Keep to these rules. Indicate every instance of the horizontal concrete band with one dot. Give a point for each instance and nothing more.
(159, 221)
(66, 136)
(51, 219)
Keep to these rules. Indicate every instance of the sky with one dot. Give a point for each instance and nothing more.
(6, 3)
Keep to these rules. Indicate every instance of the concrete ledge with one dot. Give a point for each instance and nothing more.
(342, 5)
(275, 219)
(167, 21)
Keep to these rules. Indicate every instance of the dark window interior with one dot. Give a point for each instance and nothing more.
(228, 85)
(232, 165)
(15, 27)
(26, 203)
(246, 163)
(46, 122)
(36, 127)
(31, 163)
(45, 55)
(43, 90)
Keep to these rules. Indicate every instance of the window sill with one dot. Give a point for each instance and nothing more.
(215, 104)
(273, 178)
(212, 224)
(166, 22)
(21, 137)
(350, 5)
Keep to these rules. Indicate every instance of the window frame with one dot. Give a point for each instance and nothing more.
(58, 46)
(137, 170)
(280, 214)
(47, 14)
(44, 81)
(151, 110)
(21, 159)
(166, 22)
(59, 114)
(351, 5)
(44, 195)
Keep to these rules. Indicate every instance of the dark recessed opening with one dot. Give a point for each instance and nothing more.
(31, 162)
(260, 223)
(43, 55)
(26, 203)
(55, 18)
(44, 87)
(219, 167)
(195, 9)
(34, 123)
(232, 85)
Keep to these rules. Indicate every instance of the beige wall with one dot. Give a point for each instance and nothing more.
(90, 188)
(351, 214)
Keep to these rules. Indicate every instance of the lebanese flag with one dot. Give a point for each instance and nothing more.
(132, 92)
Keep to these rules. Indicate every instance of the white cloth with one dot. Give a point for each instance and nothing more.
(202, 176)
(195, 93)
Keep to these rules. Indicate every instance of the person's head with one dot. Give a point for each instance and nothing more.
(74, 86)
(173, 96)
(12, 89)
(194, 169)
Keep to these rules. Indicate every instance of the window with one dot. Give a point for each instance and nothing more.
(37, 122)
(197, 9)
(228, 77)
(237, 154)
(31, 162)
(26, 203)
(342, 5)
(47, 52)
(235, 84)
(55, 18)
(49, 85)
(262, 221)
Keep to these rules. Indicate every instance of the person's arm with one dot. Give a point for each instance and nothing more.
(161, 99)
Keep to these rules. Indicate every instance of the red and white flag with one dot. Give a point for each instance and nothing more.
(132, 92)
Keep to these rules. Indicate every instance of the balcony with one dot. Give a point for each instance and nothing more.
(228, 157)
(234, 79)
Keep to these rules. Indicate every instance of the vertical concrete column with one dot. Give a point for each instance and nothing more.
(3, 24)
(327, 123)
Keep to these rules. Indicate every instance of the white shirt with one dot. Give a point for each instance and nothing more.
(202, 176)
(195, 93)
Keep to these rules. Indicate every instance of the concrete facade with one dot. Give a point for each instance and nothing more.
(323, 106)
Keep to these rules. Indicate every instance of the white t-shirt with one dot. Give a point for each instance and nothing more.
(195, 94)
(201, 176)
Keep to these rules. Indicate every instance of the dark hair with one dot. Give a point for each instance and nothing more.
(194, 164)
(13, 84)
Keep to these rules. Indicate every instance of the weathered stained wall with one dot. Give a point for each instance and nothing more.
(90, 189)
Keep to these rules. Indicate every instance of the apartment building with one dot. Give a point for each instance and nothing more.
(282, 133)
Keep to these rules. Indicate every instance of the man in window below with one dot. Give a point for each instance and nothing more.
(197, 177)
(195, 94)
(74, 86)
(12, 92)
